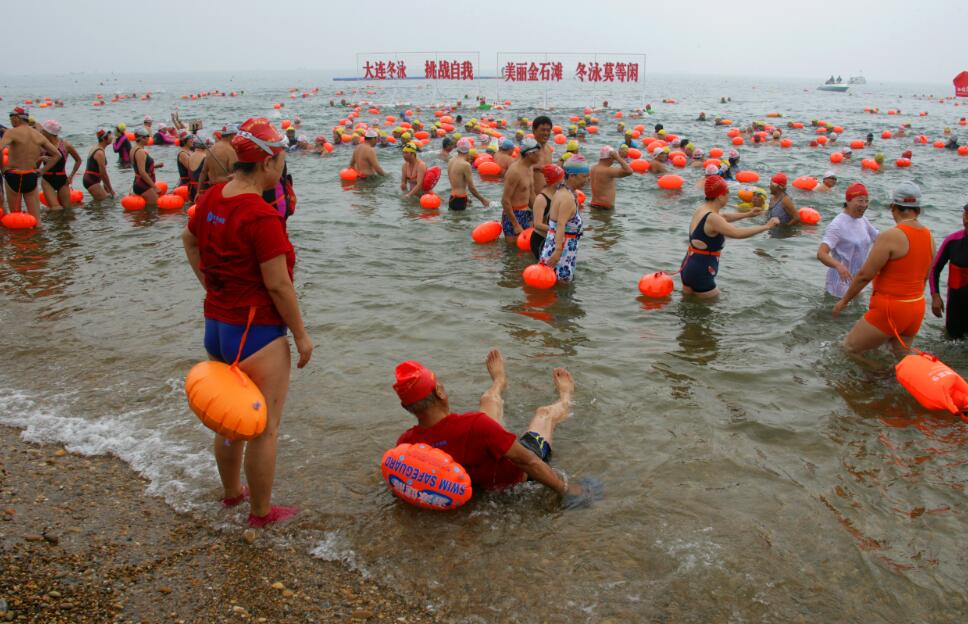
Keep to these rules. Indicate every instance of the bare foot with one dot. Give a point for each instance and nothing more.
(495, 366)
(564, 383)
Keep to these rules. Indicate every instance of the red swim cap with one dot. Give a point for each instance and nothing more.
(779, 179)
(716, 186)
(414, 382)
(906, 154)
(257, 140)
(552, 174)
(855, 190)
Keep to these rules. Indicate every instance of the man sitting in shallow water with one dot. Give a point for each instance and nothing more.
(493, 457)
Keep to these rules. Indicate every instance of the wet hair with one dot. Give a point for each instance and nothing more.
(541, 120)
(916, 209)
(423, 404)
(250, 167)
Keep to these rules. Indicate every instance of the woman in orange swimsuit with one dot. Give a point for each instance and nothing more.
(898, 264)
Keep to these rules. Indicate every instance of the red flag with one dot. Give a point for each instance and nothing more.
(961, 84)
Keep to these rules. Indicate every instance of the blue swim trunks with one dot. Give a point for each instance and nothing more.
(222, 339)
(523, 216)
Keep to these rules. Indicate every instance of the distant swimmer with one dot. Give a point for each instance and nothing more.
(412, 172)
(96, 179)
(560, 250)
(782, 207)
(658, 162)
(446, 147)
(183, 160)
(603, 176)
(122, 146)
(828, 183)
(541, 128)
(494, 457)
(954, 253)
(899, 263)
(519, 190)
(847, 241)
(56, 182)
(364, 158)
(25, 146)
(708, 232)
(461, 177)
(553, 175)
(505, 154)
(219, 161)
(196, 162)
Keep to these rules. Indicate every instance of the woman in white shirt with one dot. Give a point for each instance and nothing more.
(847, 241)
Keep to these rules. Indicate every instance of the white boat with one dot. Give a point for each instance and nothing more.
(839, 88)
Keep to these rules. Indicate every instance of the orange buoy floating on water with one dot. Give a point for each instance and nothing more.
(132, 203)
(809, 216)
(539, 276)
(580, 196)
(932, 383)
(963, 150)
(837, 158)
(19, 221)
(869, 163)
(822, 140)
(670, 182)
(747, 177)
(679, 161)
(903, 162)
(487, 232)
(786, 143)
(715, 152)
(226, 400)
(162, 187)
(745, 194)
(939, 144)
(348, 175)
(489, 168)
(640, 166)
(181, 191)
(77, 196)
(805, 183)
(634, 153)
(886, 134)
(524, 239)
(656, 285)
(171, 202)
(858, 144)
(191, 211)
(430, 201)
(738, 140)
(426, 477)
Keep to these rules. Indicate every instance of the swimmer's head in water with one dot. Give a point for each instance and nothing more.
(552, 174)
(406, 136)
(697, 154)
(576, 165)
(879, 158)
(572, 146)
(506, 145)
(371, 134)
(463, 146)
(658, 128)
(712, 170)
(410, 148)
(291, 129)
(414, 383)
(605, 153)
(907, 195)
(51, 126)
(447, 142)
(779, 179)
(714, 187)
(256, 140)
(141, 132)
(528, 147)
(566, 156)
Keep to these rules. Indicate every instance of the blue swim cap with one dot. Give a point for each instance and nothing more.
(576, 164)
(507, 144)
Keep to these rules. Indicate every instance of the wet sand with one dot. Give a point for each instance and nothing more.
(80, 542)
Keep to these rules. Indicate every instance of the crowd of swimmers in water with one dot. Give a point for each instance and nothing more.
(239, 179)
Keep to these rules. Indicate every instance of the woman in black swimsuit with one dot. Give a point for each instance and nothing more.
(553, 175)
(144, 167)
(96, 179)
(184, 160)
(55, 182)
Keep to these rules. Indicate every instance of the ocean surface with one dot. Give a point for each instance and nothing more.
(752, 472)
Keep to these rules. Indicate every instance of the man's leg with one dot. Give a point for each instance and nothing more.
(548, 417)
(492, 401)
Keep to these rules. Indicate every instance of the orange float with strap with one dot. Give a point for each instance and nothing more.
(932, 383)
(487, 232)
(524, 239)
(19, 221)
(670, 182)
(656, 285)
(225, 399)
(348, 175)
(809, 216)
(640, 166)
(805, 183)
(837, 158)
(539, 276)
(133, 203)
(426, 477)
(430, 201)
(171, 202)
(489, 168)
(715, 152)
(747, 177)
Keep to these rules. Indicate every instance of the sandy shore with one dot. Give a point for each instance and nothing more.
(80, 542)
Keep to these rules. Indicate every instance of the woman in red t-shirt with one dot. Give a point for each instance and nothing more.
(238, 248)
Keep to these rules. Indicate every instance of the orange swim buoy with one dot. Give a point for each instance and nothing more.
(656, 285)
(715, 152)
(822, 140)
(181, 191)
(539, 276)
(837, 158)
(171, 202)
(786, 143)
(426, 477)
(734, 132)
(430, 201)
(190, 212)
(580, 196)
(348, 175)
(670, 182)
(932, 383)
(805, 183)
(809, 216)
(560, 139)
(132, 203)
(226, 400)
(858, 144)
(871, 164)
(487, 232)
(19, 221)
(634, 153)
(939, 144)
(640, 166)
(738, 140)
(745, 194)
(903, 162)
(524, 239)
(678, 161)
(963, 150)
(162, 187)
(886, 134)
(489, 168)
(747, 177)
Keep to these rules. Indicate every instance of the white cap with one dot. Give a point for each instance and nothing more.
(829, 174)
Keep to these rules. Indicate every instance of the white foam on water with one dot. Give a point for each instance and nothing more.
(693, 553)
(335, 547)
(173, 468)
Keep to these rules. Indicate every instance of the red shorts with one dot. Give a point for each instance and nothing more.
(887, 314)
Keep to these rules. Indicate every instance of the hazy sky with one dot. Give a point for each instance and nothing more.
(890, 40)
